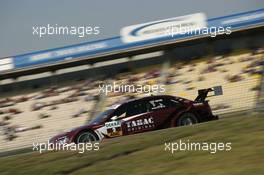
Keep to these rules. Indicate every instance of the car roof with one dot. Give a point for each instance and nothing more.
(152, 97)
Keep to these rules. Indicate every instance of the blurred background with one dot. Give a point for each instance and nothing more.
(41, 99)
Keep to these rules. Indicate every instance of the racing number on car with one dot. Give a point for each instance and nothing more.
(157, 104)
(113, 128)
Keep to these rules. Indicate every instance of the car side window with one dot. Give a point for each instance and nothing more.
(135, 108)
(129, 109)
(120, 111)
(143, 106)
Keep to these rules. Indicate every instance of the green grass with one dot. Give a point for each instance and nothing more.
(145, 154)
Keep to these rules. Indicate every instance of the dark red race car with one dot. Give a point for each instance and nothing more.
(142, 115)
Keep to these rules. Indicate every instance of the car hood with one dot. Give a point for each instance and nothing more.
(71, 132)
(88, 126)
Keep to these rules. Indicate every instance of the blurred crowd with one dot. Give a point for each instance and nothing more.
(81, 91)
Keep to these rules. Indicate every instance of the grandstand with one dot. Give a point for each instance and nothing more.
(40, 115)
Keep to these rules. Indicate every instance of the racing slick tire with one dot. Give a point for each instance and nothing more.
(187, 119)
(86, 136)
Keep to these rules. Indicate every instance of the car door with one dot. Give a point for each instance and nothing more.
(137, 119)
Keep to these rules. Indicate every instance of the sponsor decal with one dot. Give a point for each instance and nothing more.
(162, 28)
(140, 124)
(112, 124)
(157, 104)
(113, 128)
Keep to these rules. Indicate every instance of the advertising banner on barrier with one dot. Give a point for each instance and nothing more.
(65, 53)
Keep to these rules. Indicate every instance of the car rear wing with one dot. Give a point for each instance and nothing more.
(203, 93)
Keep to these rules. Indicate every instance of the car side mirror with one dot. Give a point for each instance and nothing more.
(114, 118)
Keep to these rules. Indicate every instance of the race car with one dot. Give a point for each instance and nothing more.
(142, 115)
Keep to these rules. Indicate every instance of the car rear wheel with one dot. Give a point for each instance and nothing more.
(86, 136)
(187, 119)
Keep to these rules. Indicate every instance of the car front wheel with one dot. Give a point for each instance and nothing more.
(86, 136)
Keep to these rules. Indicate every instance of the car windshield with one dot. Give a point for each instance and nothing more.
(101, 116)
